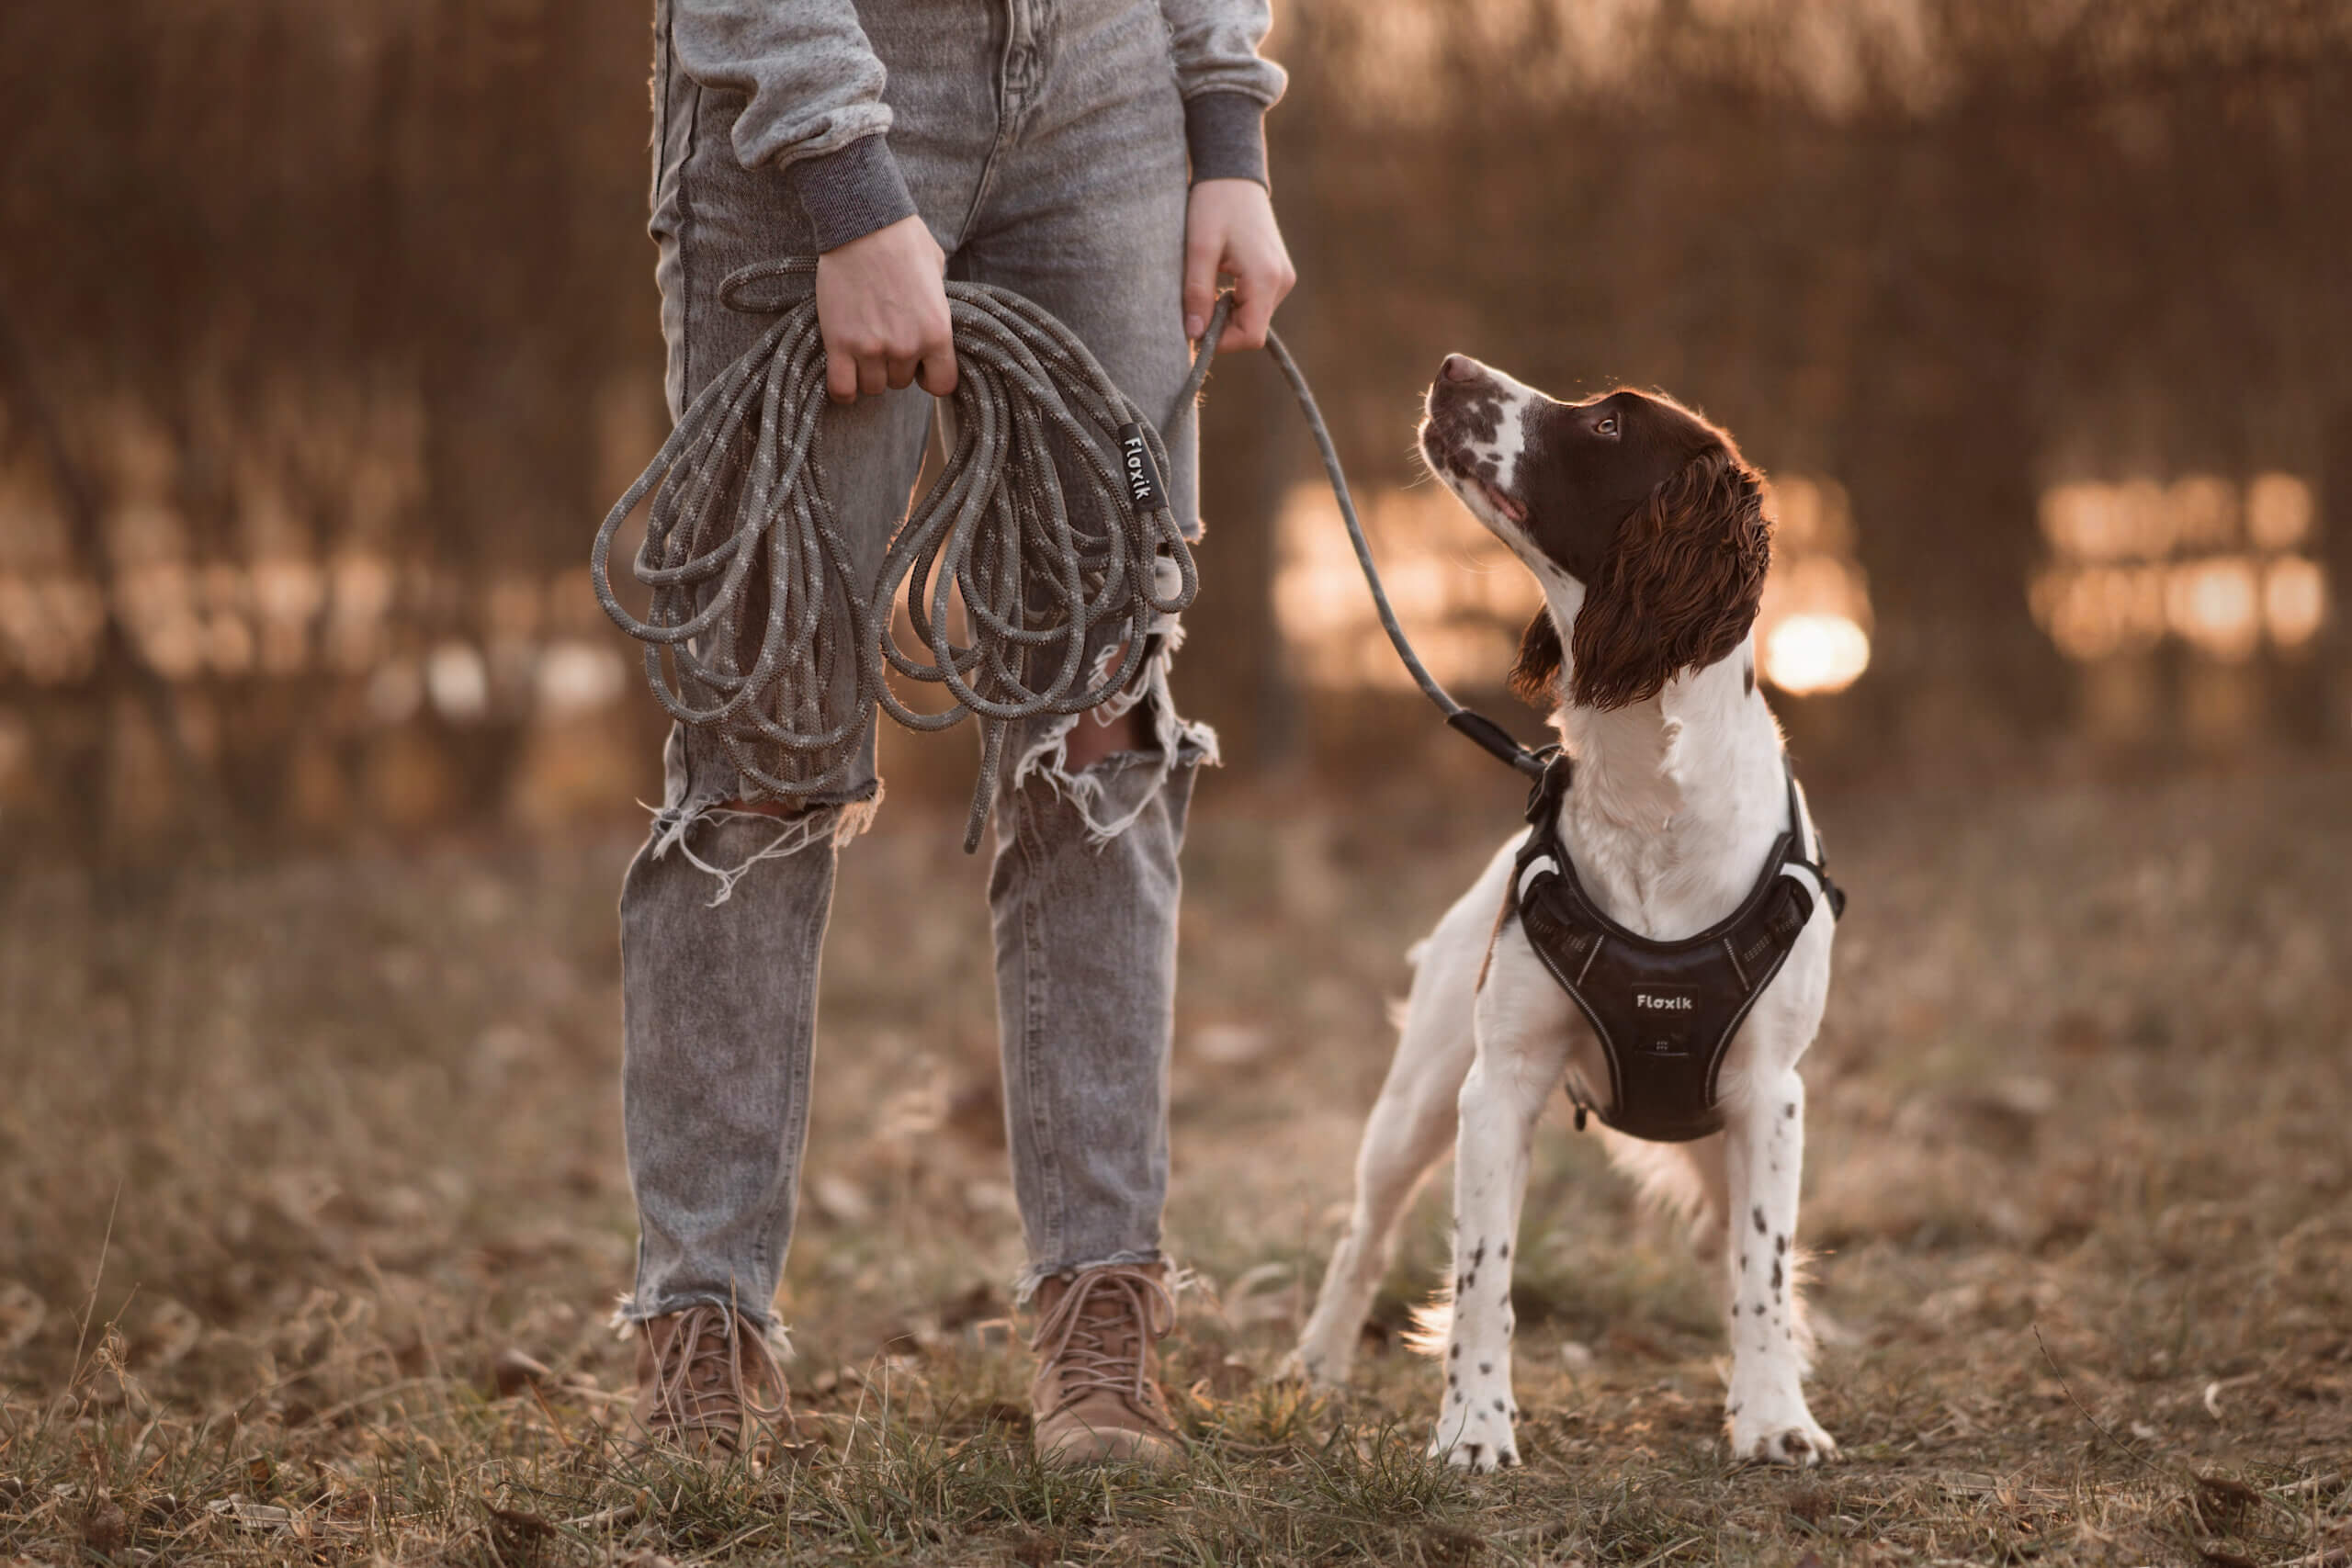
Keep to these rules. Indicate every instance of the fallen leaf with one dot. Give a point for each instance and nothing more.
(511, 1371)
(253, 1516)
(520, 1521)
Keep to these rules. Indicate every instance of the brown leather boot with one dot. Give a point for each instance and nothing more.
(707, 1388)
(1096, 1397)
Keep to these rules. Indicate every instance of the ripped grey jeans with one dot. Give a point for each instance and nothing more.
(1045, 147)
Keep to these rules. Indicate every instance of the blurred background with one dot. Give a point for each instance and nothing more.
(331, 331)
(328, 331)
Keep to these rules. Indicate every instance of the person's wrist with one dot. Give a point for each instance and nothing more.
(1225, 135)
(850, 192)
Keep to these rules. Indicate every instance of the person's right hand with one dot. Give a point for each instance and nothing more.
(882, 310)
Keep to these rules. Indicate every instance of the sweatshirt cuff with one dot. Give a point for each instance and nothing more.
(850, 192)
(1226, 133)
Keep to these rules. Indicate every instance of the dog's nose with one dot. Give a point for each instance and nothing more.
(1458, 367)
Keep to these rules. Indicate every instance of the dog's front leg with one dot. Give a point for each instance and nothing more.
(1764, 1155)
(1521, 1052)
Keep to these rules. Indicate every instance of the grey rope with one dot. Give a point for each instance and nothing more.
(745, 558)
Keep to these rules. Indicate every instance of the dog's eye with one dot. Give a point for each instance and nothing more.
(1608, 425)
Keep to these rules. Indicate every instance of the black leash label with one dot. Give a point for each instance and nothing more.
(1143, 474)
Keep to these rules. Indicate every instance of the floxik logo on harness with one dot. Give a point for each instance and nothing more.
(1143, 474)
(1664, 1015)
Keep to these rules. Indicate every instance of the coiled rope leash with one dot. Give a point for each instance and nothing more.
(741, 502)
(740, 506)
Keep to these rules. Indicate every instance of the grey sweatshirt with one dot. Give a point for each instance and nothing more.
(815, 108)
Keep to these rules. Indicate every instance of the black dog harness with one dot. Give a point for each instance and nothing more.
(1665, 1011)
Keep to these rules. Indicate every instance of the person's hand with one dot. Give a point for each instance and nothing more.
(1229, 227)
(882, 310)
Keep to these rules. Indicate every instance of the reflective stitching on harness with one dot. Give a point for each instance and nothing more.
(1734, 955)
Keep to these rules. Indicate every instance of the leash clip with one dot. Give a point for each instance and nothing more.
(1553, 769)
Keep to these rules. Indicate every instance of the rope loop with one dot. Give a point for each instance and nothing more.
(760, 630)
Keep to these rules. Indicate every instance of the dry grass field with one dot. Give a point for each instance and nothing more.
(311, 1212)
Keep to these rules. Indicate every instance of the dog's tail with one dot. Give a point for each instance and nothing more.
(1681, 1184)
(1432, 1322)
(1674, 1183)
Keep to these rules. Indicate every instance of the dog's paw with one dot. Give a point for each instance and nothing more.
(1309, 1366)
(1800, 1442)
(1477, 1456)
(1476, 1441)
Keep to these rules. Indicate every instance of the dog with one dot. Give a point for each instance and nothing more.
(1648, 532)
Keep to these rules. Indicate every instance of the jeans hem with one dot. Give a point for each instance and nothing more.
(1037, 1274)
(629, 1312)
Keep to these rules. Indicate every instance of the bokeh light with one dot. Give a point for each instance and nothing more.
(1807, 654)
(2217, 565)
(1815, 623)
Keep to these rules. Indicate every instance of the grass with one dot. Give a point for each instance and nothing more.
(311, 1212)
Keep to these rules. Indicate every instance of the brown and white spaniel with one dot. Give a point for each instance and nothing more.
(1648, 532)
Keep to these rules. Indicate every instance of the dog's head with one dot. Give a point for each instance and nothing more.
(1630, 500)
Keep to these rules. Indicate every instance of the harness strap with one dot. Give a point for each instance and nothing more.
(1800, 822)
(1665, 1012)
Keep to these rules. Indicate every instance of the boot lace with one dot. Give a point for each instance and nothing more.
(699, 1383)
(1100, 1334)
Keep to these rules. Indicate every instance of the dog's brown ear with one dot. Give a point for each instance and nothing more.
(1679, 587)
(1535, 674)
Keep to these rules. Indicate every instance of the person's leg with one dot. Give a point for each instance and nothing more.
(722, 922)
(1085, 216)
(723, 912)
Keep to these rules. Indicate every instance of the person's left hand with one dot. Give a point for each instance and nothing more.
(1229, 228)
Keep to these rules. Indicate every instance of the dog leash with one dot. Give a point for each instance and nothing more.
(741, 509)
(1483, 732)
